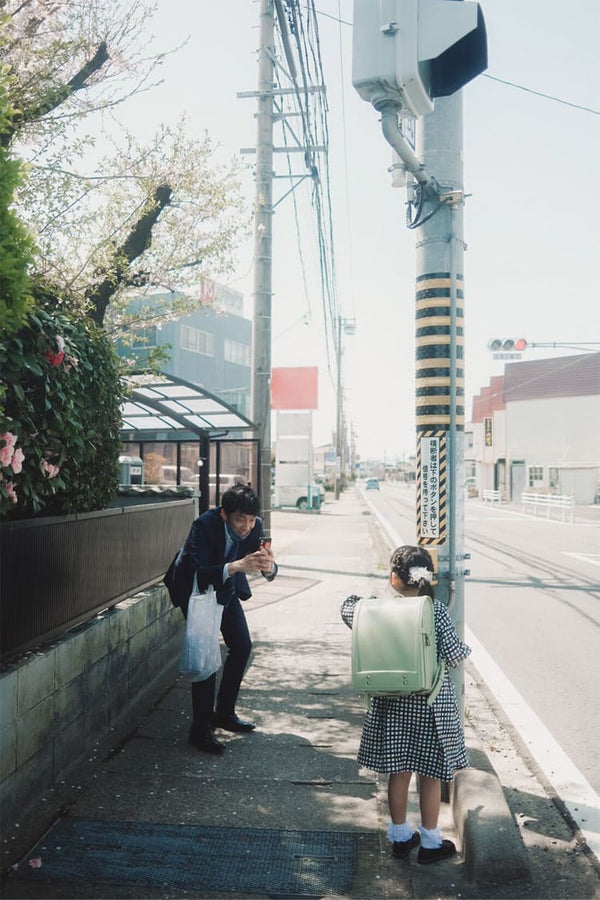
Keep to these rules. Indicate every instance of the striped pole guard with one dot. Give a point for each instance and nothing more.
(433, 308)
(433, 352)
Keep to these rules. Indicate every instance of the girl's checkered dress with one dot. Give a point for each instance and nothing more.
(403, 734)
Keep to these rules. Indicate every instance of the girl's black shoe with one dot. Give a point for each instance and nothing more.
(426, 857)
(403, 848)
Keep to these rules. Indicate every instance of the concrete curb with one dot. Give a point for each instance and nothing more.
(492, 846)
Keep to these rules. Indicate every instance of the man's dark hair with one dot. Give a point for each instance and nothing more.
(240, 498)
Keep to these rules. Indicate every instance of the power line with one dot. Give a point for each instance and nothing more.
(313, 111)
(521, 87)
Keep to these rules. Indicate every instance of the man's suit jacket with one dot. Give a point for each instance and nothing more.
(203, 553)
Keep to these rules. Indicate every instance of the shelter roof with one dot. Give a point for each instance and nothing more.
(164, 403)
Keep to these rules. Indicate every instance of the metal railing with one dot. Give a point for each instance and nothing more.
(491, 496)
(60, 571)
(539, 503)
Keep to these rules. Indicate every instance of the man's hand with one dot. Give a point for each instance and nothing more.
(260, 561)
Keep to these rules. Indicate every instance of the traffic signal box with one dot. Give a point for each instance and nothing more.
(507, 344)
(412, 51)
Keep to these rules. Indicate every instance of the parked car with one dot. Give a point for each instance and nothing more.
(298, 495)
(169, 476)
(471, 487)
(372, 484)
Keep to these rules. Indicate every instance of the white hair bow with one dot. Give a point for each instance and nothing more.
(417, 572)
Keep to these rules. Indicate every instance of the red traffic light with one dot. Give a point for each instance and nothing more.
(507, 344)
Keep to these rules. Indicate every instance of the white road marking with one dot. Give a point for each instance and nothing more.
(581, 800)
(585, 557)
(391, 534)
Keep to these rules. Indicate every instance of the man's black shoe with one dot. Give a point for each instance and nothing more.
(426, 856)
(230, 722)
(204, 739)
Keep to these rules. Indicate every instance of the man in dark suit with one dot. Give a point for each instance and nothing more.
(224, 546)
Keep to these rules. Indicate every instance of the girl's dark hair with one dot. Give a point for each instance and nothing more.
(406, 558)
(240, 498)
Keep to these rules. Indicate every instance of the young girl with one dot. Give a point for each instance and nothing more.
(402, 735)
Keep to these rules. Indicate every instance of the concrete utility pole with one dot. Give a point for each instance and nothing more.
(263, 235)
(440, 359)
(401, 69)
(339, 426)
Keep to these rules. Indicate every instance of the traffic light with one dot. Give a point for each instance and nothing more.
(507, 344)
(412, 51)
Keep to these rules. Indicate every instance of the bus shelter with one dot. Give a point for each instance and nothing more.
(181, 434)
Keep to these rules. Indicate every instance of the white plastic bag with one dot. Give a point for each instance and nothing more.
(201, 654)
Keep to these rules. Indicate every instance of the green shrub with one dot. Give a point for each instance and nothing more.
(16, 245)
(60, 396)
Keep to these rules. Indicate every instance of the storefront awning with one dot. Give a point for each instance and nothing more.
(163, 403)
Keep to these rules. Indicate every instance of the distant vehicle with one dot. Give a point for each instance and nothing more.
(226, 480)
(302, 496)
(372, 484)
(471, 487)
(169, 476)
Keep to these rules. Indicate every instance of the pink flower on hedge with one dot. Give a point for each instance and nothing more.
(50, 469)
(7, 451)
(17, 461)
(53, 358)
(10, 490)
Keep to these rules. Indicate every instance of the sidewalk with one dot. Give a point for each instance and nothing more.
(285, 812)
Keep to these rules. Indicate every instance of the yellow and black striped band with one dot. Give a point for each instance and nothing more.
(433, 311)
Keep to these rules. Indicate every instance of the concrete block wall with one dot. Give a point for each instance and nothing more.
(92, 684)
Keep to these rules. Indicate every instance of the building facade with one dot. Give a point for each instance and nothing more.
(535, 428)
(211, 347)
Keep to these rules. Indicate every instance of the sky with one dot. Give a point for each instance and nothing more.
(531, 174)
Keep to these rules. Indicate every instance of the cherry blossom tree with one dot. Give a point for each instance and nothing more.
(137, 219)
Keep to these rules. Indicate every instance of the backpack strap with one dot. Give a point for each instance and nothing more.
(439, 680)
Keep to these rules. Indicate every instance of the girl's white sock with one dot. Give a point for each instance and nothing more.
(431, 838)
(400, 833)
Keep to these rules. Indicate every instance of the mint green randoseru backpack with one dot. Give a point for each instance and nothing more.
(393, 648)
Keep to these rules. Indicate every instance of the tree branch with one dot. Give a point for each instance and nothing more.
(57, 96)
(137, 241)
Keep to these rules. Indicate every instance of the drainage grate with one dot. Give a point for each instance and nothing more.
(236, 860)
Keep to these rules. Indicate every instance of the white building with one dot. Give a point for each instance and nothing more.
(537, 427)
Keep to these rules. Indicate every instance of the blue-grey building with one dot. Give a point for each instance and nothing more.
(211, 347)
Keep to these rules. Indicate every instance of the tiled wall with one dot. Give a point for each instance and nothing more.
(58, 702)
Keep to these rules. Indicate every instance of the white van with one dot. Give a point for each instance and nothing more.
(302, 496)
(169, 476)
(226, 481)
